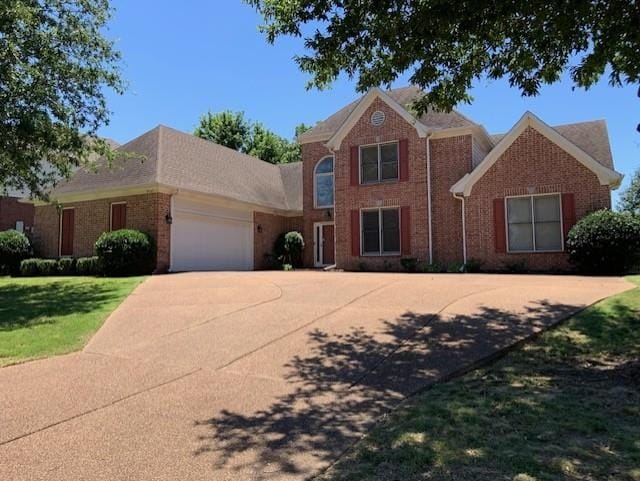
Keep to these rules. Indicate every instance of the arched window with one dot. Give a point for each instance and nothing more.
(323, 183)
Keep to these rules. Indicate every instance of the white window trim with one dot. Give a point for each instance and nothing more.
(317, 242)
(315, 182)
(60, 231)
(111, 212)
(533, 223)
(379, 145)
(380, 252)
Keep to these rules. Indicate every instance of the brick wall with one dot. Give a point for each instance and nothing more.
(312, 154)
(145, 212)
(532, 164)
(451, 159)
(266, 229)
(411, 193)
(11, 211)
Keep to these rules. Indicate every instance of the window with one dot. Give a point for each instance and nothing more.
(379, 163)
(118, 216)
(533, 223)
(380, 231)
(20, 225)
(323, 183)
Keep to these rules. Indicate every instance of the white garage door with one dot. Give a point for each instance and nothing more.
(206, 237)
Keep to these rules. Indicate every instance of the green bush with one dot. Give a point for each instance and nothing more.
(288, 248)
(432, 268)
(473, 265)
(66, 266)
(38, 267)
(455, 267)
(605, 242)
(126, 252)
(88, 266)
(516, 266)
(363, 266)
(409, 264)
(14, 247)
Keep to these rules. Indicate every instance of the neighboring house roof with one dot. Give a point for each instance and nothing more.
(432, 120)
(165, 157)
(587, 142)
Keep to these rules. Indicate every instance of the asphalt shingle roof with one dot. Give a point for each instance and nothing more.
(175, 159)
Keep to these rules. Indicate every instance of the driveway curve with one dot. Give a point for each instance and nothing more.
(263, 375)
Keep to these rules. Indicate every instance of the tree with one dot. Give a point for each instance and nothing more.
(55, 68)
(234, 131)
(630, 198)
(225, 128)
(447, 45)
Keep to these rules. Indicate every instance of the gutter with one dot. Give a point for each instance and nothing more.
(429, 198)
(464, 229)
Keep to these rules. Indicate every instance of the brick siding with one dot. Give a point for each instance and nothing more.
(532, 164)
(145, 212)
(11, 211)
(266, 229)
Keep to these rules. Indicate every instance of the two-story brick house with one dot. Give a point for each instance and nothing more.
(380, 184)
(376, 184)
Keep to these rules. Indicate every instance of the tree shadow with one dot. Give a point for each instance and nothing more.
(23, 306)
(352, 379)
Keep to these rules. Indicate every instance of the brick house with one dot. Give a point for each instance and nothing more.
(375, 184)
(15, 214)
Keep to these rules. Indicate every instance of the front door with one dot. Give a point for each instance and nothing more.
(66, 236)
(324, 244)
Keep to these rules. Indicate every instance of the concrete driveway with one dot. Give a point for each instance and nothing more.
(265, 375)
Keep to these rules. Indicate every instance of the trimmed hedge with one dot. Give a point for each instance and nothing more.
(66, 266)
(88, 266)
(605, 242)
(126, 252)
(38, 267)
(14, 247)
(288, 248)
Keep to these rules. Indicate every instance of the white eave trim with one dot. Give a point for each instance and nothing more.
(375, 93)
(606, 176)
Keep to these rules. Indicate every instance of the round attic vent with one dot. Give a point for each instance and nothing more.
(377, 118)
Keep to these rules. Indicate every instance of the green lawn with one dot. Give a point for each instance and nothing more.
(43, 316)
(566, 407)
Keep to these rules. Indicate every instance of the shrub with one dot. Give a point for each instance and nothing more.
(88, 266)
(432, 268)
(516, 267)
(388, 266)
(38, 267)
(605, 242)
(288, 248)
(473, 265)
(14, 247)
(409, 264)
(66, 266)
(455, 267)
(287, 267)
(363, 266)
(125, 252)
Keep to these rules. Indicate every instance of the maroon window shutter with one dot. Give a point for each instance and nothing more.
(405, 231)
(355, 233)
(568, 212)
(499, 225)
(353, 164)
(118, 216)
(66, 247)
(404, 160)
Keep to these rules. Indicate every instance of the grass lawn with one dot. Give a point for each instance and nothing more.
(43, 316)
(566, 407)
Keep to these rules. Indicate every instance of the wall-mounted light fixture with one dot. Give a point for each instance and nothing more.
(328, 214)
(168, 218)
(259, 228)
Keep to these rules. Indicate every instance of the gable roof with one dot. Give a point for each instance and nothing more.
(172, 159)
(403, 97)
(587, 142)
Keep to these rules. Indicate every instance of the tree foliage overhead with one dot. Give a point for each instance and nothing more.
(233, 130)
(446, 45)
(55, 66)
(630, 198)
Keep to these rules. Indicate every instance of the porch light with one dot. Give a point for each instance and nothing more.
(168, 218)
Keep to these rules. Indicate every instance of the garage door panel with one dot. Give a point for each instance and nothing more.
(212, 239)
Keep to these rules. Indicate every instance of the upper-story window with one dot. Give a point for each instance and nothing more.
(323, 183)
(379, 162)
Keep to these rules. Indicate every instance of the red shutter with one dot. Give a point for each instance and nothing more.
(354, 165)
(404, 160)
(499, 225)
(66, 241)
(568, 213)
(355, 233)
(405, 231)
(118, 216)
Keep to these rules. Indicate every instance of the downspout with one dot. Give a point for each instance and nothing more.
(429, 198)
(464, 230)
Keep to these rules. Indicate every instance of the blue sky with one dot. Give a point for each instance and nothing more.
(182, 59)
